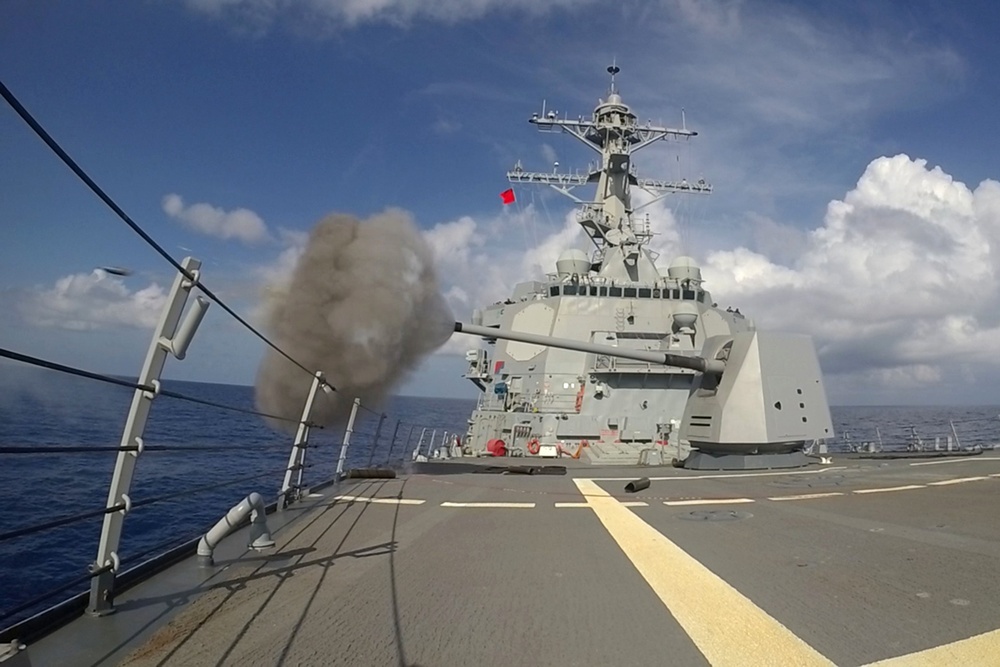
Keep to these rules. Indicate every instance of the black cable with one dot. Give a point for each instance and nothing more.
(55, 523)
(222, 406)
(76, 169)
(51, 365)
(87, 449)
(209, 487)
(7, 613)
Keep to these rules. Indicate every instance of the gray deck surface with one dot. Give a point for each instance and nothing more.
(853, 578)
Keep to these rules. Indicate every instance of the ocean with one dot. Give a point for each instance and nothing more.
(43, 409)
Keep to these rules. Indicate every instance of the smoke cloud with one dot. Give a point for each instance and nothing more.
(363, 306)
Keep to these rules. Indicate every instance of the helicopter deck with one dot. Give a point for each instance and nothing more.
(849, 563)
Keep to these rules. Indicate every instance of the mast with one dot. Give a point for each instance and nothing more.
(615, 134)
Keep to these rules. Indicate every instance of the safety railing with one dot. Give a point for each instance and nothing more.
(199, 470)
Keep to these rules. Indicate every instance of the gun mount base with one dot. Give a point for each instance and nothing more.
(701, 460)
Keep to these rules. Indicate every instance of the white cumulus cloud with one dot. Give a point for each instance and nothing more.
(899, 281)
(241, 224)
(97, 300)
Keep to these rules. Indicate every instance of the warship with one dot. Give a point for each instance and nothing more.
(665, 370)
(764, 548)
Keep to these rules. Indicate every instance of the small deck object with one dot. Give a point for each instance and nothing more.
(637, 485)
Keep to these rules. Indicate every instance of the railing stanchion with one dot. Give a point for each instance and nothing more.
(347, 438)
(392, 443)
(297, 457)
(378, 430)
(167, 338)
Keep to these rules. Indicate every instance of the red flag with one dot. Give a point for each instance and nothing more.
(507, 196)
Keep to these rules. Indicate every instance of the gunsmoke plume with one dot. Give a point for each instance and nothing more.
(363, 306)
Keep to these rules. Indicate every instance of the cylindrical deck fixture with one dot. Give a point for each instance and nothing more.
(178, 345)
(260, 536)
(637, 485)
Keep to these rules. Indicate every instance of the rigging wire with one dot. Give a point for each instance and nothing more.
(96, 189)
(51, 365)
(97, 449)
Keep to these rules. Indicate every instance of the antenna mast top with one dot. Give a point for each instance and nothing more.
(612, 70)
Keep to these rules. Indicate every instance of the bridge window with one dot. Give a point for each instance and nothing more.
(604, 291)
(701, 297)
(630, 292)
(656, 293)
(593, 291)
(688, 295)
(675, 294)
(644, 292)
(569, 290)
(615, 291)
(554, 291)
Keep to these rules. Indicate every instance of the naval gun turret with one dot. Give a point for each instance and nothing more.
(758, 402)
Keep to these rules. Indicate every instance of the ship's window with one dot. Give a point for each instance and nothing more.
(644, 292)
(616, 291)
(630, 292)
(688, 295)
(675, 294)
(569, 290)
(554, 291)
(701, 297)
(656, 294)
(593, 291)
(604, 291)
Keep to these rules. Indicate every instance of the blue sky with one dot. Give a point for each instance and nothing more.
(847, 146)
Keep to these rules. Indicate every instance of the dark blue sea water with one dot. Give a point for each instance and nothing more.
(41, 408)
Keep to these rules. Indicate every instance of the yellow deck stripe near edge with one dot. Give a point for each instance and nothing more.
(979, 650)
(725, 625)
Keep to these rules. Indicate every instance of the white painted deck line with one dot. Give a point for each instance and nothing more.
(957, 480)
(721, 476)
(726, 626)
(707, 501)
(381, 501)
(501, 505)
(888, 489)
(964, 459)
(808, 496)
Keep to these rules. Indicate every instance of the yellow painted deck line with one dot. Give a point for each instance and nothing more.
(381, 501)
(957, 480)
(511, 505)
(707, 501)
(887, 489)
(967, 459)
(981, 649)
(725, 625)
(735, 475)
(808, 496)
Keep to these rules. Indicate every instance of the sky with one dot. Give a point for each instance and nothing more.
(852, 148)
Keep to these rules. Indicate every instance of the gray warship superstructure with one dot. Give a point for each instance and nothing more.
(540, 400)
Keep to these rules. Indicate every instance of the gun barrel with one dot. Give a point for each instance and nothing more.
(699, 364)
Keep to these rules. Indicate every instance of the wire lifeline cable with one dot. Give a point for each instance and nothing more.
(97, 449)
(96, 189)
(51, 365)
(62, 521)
